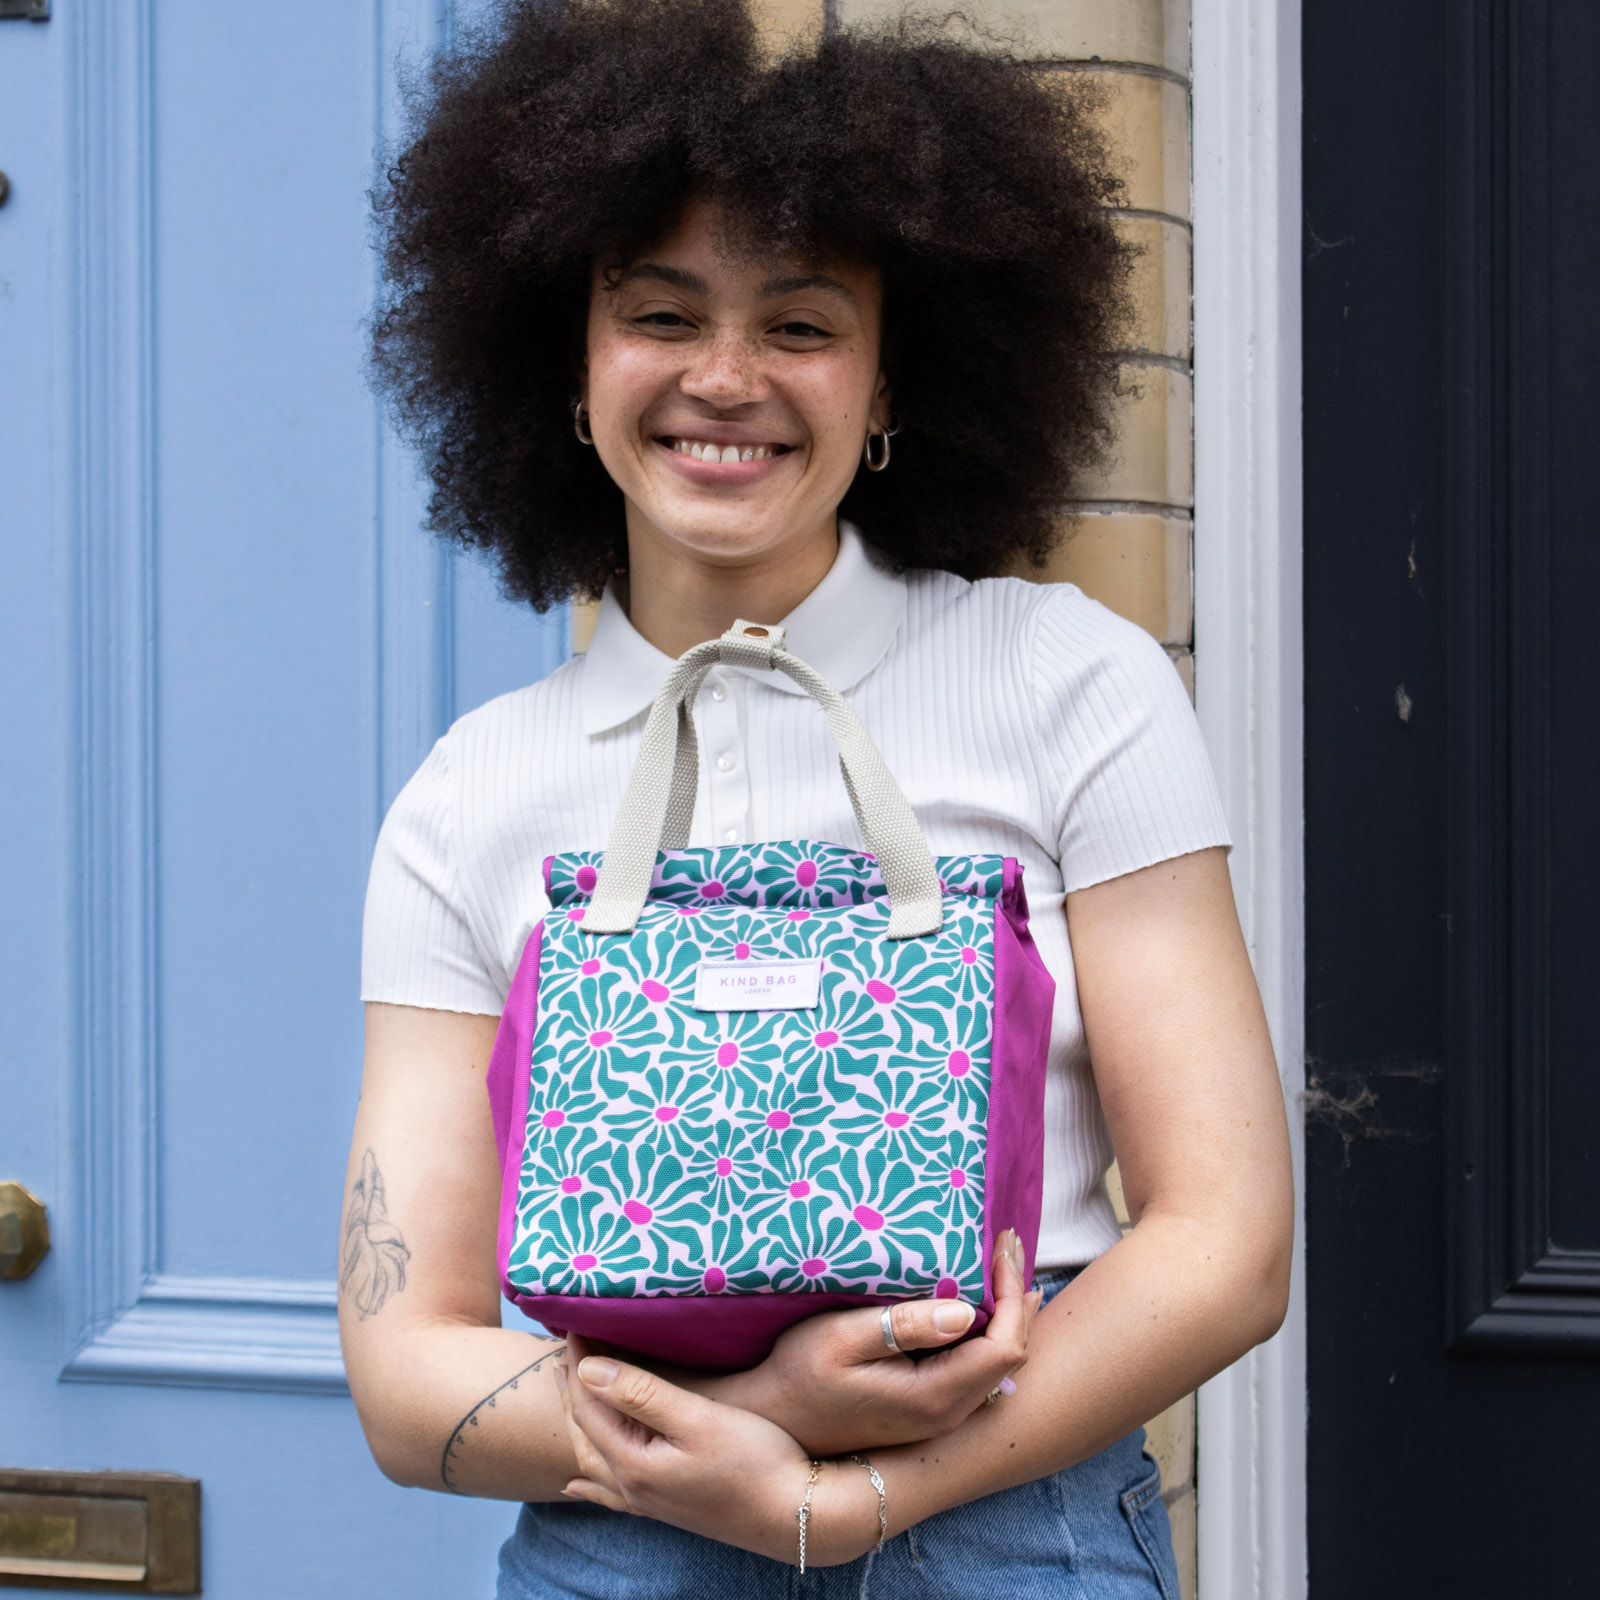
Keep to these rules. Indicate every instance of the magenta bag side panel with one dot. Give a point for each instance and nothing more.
(1024, 995)
(732, 1331)
(510, 1065)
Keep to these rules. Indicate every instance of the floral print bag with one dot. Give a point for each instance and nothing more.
(736, 1086)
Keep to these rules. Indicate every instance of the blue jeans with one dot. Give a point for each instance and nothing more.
(1097, 1531)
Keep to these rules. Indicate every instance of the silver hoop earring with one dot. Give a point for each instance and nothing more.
(866, 452)
(580, 423)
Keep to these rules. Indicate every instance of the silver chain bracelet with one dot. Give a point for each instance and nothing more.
(883, 1498)
(803, 1515)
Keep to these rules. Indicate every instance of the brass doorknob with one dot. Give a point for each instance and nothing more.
(24, 1231)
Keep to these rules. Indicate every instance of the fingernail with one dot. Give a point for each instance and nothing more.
(1007, 1240)
(1035, 1299)
(953, 1317)
(1016, 1256)
(1007, 1386)
(596, 1371)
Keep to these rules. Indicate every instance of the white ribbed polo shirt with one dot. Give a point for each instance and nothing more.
(1020, 719)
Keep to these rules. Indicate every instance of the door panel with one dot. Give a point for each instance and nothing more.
(225, 644)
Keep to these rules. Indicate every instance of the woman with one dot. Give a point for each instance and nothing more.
(819, 341)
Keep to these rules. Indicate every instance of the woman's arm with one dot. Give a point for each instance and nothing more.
(448, 1399)
(1191, 1096)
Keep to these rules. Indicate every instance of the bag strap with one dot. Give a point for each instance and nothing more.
(657, 808)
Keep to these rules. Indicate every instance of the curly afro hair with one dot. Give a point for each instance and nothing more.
(570, 135)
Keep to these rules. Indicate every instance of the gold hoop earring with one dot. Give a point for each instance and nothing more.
(580, 423)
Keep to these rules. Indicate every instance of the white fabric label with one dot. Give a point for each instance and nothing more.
(787, 985)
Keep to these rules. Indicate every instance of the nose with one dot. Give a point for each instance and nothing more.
(726, 371)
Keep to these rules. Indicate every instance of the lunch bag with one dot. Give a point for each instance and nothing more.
(733, 1087)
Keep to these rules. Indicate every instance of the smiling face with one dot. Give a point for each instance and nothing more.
(729, 397)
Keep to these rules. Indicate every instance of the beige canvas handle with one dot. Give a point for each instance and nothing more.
(656, 811)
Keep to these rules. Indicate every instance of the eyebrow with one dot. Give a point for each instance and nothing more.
(689, 282)
(693, 283)
(773, 288)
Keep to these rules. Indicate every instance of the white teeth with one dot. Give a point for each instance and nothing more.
(698, 450)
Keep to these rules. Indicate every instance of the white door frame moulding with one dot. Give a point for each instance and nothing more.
(128, 1320)
(1248, 658)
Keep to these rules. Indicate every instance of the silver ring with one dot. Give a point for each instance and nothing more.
(886, 1322)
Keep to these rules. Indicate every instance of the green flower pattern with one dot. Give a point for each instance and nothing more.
(837, 1149)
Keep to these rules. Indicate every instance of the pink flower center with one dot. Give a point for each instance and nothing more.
(881, 992)
(896, 1119)
(576, 915)
(727, 1053)
(958, 1178)
(815, 1267)
(825, 1040)
(946, 1289)
(800, 1188)
(688, 911)
(741, 951)
(584, 1263)
(868, 1218)
(600, 1037)
(637, 1212)
(715, 1280)
(655, 991)
(571, 1185)
(553, 1118)
(778, 1120)
(806, 874)
(586, 879)
(666, 1113)
(714, 890)
(724, 1166)
(969, 955)
(958, 1063)
(798, 916)
(590, 967)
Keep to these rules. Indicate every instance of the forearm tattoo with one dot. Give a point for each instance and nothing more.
(375, 1255)
(456, 1444)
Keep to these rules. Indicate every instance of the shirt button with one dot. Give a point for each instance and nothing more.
(725, 762)
(718, 692)
(731, 836)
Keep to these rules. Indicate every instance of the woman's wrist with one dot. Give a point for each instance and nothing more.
(844, 1515)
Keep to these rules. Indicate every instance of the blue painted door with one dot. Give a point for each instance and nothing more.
(224, 644)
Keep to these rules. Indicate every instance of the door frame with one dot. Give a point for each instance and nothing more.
(1248, 673)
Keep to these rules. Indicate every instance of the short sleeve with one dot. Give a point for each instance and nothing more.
(417, 945)
(1133, 781)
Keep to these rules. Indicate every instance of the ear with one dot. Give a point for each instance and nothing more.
(880, 411)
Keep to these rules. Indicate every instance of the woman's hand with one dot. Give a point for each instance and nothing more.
(833, 1385)
(645, 1446)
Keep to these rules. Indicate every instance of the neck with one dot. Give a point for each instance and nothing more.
(677, 598)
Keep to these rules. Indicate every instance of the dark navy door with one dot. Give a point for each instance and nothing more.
(1452, 567)
(224, 644)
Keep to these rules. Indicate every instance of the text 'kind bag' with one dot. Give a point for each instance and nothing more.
(734, 1087)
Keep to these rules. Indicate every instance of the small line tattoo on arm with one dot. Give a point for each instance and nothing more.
(375, 1255)
(458, 1438)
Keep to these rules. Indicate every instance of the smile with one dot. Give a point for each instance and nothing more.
(709, 450)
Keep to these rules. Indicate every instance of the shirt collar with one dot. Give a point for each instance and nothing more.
(843, 628)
